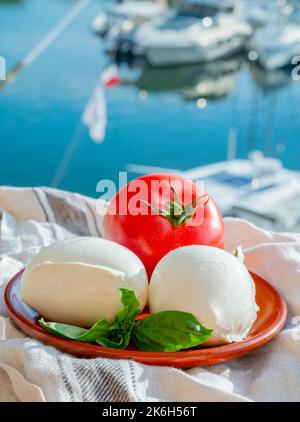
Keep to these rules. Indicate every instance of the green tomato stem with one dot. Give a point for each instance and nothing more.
(177, 213)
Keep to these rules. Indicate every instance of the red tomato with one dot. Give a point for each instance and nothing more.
(153, 215)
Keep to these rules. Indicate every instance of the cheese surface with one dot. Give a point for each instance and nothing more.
(77, 281)
(211, 284)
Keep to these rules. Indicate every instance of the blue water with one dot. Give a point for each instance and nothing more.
(41, 109)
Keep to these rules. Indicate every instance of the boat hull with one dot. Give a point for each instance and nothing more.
(167, 56)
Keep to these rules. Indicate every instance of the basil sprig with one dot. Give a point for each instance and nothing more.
(76, 333)
(119, 333)
(115, 335)
(169, 331)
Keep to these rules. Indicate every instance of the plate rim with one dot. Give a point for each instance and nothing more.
(183, 358)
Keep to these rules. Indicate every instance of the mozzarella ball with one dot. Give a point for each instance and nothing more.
(209, 283)
(77, 281)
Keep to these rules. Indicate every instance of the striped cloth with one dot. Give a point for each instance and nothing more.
(31, 218)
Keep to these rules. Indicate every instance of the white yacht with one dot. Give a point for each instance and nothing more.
(126, 16)
(185, 38)
(258, 189)
(276, 45)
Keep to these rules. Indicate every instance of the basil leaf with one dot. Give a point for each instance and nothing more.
(119, 333)
(115, 335)
(169, 331)
(116, 343)
(130, 306)
(72, 332)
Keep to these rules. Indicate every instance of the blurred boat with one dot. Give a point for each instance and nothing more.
(276, 45)
(261, 13)
(119, 40)
(202, 8)
(126, 16)
(258, 189)
(207, 80)
(185, 38)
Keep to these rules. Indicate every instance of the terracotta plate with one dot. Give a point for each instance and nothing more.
(271, 318)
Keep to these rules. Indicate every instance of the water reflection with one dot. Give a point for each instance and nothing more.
(213, 80)
(209, 80)
(270, 79)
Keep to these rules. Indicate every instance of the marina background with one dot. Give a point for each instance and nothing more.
(154, 116)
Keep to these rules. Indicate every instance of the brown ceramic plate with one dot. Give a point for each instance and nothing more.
(271, 318)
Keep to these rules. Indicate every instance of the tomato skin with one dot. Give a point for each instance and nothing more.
(152, 236)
